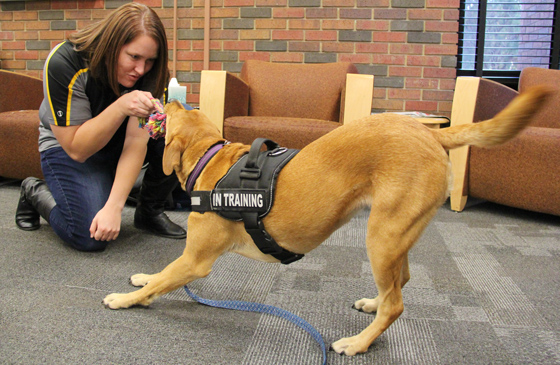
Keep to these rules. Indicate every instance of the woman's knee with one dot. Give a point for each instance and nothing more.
(76, 234)
(89, 245)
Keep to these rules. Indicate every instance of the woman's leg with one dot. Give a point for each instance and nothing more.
(156, 188)
(80, 191)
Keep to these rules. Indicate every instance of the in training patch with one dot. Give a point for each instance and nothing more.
(233, 200)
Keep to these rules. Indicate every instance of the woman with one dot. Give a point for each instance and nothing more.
(96, 86)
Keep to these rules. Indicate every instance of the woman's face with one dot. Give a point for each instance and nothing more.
(136, 59)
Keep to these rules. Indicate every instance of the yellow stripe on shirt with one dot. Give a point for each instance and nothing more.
(46, 76)
(70, 92)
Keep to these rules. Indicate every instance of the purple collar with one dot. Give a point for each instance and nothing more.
(201, 164)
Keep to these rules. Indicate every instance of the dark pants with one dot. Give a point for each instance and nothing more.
(82, 189)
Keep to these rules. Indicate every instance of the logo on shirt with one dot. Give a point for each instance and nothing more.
(59, 113)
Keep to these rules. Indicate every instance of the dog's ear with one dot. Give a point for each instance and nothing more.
(172, 155)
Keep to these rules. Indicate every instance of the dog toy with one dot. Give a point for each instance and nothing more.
(155, 124)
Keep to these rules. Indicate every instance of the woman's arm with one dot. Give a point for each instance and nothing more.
(106, 224)
(82, 141)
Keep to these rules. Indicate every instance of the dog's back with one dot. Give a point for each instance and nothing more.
(381, 159)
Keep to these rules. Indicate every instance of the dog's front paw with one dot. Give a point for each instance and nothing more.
(349, 346)
(140, 279)
(366, 305)
(117, 301)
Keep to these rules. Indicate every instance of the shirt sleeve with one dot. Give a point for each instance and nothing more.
(64, 86)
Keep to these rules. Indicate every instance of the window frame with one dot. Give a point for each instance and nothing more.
(509, 78)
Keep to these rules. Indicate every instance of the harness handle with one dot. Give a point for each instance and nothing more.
(251, 170)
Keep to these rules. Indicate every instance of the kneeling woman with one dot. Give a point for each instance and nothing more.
(96, 85)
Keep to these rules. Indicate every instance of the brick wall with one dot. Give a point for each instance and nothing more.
(409, 45)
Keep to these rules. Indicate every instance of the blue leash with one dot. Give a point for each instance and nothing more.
(263, 308)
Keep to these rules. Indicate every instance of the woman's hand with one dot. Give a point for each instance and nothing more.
(82, 141)
(106, 224)
(136, 104)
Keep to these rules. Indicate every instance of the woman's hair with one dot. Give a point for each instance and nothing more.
(100, 44)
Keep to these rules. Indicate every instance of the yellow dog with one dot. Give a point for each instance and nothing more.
(389, 162)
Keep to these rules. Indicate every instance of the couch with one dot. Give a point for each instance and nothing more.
(20, 98)
(523, 173)
(292, 104)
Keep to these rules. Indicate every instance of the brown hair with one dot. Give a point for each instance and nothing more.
(101, 43)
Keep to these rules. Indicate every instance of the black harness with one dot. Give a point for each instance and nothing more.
(246, 193)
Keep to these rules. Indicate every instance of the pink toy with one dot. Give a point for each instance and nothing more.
(156, 122)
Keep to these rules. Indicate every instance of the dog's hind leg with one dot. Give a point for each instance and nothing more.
(388, 242)
(203, 247)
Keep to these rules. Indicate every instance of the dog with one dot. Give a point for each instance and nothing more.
(389, 162)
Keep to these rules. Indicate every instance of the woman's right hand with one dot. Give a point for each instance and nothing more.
(136, 104)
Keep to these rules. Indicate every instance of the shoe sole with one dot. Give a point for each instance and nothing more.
(28, 228)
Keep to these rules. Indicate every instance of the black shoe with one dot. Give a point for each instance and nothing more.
(158, 224)
(154, 193)
(27, 217)
(35, 201)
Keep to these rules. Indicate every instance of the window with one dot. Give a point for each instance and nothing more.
(498, 38)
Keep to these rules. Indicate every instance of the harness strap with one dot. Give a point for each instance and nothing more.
(266, 244)
(250, 175)
(253, 224)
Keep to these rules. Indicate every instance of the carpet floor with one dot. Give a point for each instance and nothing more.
(485, 289)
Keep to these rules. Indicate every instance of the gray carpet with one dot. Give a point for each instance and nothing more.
(485, 288)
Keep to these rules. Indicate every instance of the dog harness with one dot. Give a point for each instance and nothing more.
(246, 193)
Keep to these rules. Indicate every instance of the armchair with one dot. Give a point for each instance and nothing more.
(522, 173)
(292, 104)
(20, 98)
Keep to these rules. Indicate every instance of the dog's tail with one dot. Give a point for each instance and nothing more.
(500, 129)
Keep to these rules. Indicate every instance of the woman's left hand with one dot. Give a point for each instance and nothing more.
(106, 224)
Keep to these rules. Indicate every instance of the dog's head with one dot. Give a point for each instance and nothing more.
(184, 130)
